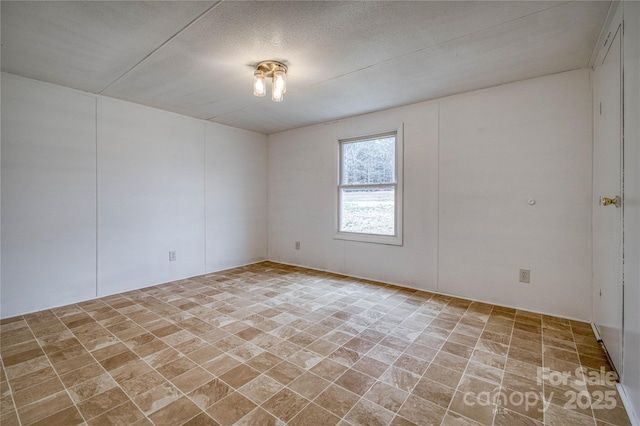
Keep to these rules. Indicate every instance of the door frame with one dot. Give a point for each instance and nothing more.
(614, 24)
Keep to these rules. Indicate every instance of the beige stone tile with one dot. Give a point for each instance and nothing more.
(425, 353)
(384, 354)
(141, 384)
(68, 416)
(522, 368)
(368, 413)
(192, 379)
(221, 365)
(451, 361)
(204, 354)
(457, 349)
(37, 392)
(264, 361)
(91, 387)
(305, 359)
(386, 396)
(176, 368)
(557, 416)
(355, 382)
(109, 351)
(210, 393)
(260, 389)
(102, 403)
(246, 352)
(313, 415)
(412, 364)
(125, 414)
(484, 372)
(337, 399)
(45, 407)
(27, 367)
(443, 375)
(158, 359)
(371, 367)
(478, 409)
(154, 346)
(345, 356)
(175, 413)
(259, 417)
(434, 392)
(505, 417)
(157, 398)
(285, 372)
(31, 379)
(21, 353)
(239, 376)
(202, 419)
(231, 409)
(455, 419)
(401, 379)
(285, 404)
(331, 370)
(309, 385)
(322, 347)
(420, 411)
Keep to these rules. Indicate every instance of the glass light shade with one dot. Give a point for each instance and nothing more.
(277, 95)
(259, 86)
(279, 80)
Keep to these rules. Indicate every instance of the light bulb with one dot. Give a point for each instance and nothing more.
(279, 80)
(259, 87)
(277, 95)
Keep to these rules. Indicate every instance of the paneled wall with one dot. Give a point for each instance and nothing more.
(48, 195)
(472, 162)
(96, 192)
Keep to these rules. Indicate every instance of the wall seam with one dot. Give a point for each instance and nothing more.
(97, 204)
(204, 164)
(438, 214)
(267, 200)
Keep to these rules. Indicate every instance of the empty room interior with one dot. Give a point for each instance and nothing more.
(320, 213)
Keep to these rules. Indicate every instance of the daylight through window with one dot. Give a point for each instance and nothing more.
(368, 189)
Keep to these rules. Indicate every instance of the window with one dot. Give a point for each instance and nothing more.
(370, 189)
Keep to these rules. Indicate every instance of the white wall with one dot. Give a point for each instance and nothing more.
(302, 199)
(150, 196)
(86, 177)
(48, 195)
(236, 169)
(631, 351)
(471, 163)
(500, 148)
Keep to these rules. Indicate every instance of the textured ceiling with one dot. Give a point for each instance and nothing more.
(345, 58)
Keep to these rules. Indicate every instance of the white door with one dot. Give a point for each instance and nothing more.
(607, 196)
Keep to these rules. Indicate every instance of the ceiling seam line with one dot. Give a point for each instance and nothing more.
(413, 52)
(443, 43)
(167, 41)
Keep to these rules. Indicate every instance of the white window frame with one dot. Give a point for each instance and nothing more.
(374, 238)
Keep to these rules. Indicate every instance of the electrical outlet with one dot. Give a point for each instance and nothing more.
(525, 275)
(172, 256)
(297, 245)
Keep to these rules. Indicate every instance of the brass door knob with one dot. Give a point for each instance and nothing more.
(611, 201)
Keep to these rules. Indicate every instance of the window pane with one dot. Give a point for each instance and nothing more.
(368, 211)
(369, 161)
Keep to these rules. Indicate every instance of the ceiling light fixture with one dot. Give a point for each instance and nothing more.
(275, 70)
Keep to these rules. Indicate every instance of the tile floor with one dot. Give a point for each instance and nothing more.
(270, 344)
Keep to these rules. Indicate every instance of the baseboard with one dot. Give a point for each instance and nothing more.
(627, 405)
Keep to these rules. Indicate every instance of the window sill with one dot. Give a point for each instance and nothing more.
(393, 240)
